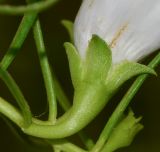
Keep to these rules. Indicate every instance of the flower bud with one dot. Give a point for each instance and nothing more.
(130, 27)
(124, 133)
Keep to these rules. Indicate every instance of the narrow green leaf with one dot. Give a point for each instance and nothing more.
(69, 27)
(17, 94)
(74, 63)
(98, 60)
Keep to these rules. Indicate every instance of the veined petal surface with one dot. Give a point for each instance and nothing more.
(130, 27)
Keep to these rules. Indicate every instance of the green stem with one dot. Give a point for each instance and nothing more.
(46, 71)
(11, 112)
(31, 8)
(14, 89)
(60, 94)
(65, 104)
(122, 107)
(18, 40)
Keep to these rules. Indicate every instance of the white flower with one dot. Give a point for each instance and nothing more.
(130, 27)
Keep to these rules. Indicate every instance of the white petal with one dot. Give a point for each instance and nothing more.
(130, 27)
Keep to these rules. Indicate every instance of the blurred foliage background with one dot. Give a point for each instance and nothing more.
(26, 71)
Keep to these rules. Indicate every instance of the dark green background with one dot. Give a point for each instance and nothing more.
(26, 71)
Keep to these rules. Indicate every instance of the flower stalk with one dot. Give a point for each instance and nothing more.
(46, 71)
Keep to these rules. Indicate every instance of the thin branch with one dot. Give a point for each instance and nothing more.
(31, 8)
(17, 94)
(18, 40)
(46, 71)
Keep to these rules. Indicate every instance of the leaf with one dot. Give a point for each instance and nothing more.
(98, 60)
(74, 63)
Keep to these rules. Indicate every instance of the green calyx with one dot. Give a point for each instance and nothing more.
(94, 67)
(98, 60)
(97, 65)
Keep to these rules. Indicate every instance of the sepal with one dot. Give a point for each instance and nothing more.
(75, 63)
(122, 72)
(98, 60)
(69, 27)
